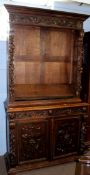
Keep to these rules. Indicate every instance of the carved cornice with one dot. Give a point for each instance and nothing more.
(41, 20)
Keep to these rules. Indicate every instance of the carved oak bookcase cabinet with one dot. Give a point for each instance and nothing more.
(46, 111)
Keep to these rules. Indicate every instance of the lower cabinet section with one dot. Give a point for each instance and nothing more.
(45, 135)
(34, 138)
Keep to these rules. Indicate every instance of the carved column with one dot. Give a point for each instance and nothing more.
(79, 62)
(11, 66)
(83, 134)
(12, 139)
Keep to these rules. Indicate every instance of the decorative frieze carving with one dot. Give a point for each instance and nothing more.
(53, 21)
(16, 115)
(48, 113)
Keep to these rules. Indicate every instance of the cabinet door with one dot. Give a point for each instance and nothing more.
(66, 136)
(32, 140)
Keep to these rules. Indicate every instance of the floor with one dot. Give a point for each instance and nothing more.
(64, 169)
(2, 166)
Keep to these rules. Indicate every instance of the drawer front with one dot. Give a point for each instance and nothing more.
(49, 112)
(68, 111)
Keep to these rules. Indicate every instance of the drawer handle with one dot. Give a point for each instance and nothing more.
(50, 111)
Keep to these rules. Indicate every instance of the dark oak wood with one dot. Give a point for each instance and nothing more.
(86, 79)
(46, 114)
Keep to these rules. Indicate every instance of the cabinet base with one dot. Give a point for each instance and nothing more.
(42, 164)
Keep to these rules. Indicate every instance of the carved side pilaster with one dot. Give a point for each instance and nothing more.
(12, 140)
(11, 66)
(83, 134)
(79, 62)
(12, 145)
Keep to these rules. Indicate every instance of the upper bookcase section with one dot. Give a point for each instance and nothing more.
(45, 54)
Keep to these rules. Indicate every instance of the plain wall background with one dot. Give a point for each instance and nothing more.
(3, 66)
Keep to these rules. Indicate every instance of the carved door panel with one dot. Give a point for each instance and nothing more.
(66, 136)
(32, 140)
